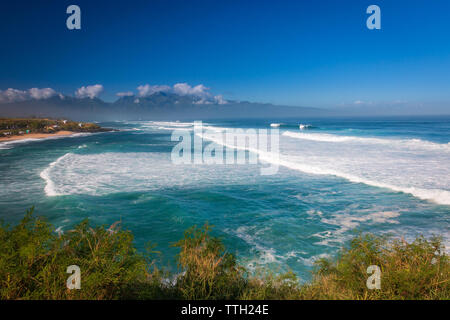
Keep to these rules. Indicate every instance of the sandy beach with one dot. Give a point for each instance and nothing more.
(36, 136)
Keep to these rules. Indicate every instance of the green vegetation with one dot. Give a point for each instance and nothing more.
(33, 263)
(417, 270)
(11, 127)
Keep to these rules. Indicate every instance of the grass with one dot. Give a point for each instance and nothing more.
(33, 263)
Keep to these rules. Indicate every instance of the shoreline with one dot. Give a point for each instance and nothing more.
(36, 136)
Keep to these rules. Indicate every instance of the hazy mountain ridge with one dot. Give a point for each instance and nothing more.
(158, 106)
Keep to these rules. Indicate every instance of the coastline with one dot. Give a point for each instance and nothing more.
(36, 136)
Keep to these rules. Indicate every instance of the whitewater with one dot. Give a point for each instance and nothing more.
(362, 160)
(410, 166)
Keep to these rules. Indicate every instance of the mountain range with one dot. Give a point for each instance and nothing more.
(158, 106)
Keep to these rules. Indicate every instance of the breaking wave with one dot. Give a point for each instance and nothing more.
(409, 143)
(374, 176)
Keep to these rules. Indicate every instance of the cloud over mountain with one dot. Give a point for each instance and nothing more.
(147, 90)
(180, 101)
(89, 91)
(183, 89)
(125, 94)
(15, 95)
(200, 93)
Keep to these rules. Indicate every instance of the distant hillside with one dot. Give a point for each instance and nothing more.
(159, 106)
(12, 127)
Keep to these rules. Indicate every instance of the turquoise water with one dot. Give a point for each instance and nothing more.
(335, 176)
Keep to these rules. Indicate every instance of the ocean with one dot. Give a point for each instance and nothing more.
(335, 178)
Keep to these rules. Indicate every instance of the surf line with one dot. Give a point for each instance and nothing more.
(50, 188)
(435, 195)
(190, 150)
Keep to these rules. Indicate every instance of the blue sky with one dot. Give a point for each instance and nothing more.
(308, 53)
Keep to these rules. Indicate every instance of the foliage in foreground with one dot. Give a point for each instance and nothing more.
(417, 270)
(33, 262)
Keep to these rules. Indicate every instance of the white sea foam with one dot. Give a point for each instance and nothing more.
(50, 189)
(304, 126)
(165, 125)
(106, 173)
(312, 259)
(407, 143)
(422, 174)
(251, 237)
(11, 144)
(266, 254)
(174, 128)
(419, 172)
(346, 221)
(172, 123)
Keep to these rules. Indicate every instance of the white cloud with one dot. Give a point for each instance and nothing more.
(89, 91)
(203, 101)
(147, 90)
(184, 89)
(200, 93)
(45, 93)
(125, 94)
(220, 100)
(15, 95)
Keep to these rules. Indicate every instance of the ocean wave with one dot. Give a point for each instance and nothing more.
(175, 128)
(251, 236)
(4, 146)
(304, 126)
(172, 123)
(166, 125)
(436, 195)
(131, 129)
(300, 126)
(50, 188)
(408, 143)
(11, 144)
(113, 172)
(349, 221)
(265, 254)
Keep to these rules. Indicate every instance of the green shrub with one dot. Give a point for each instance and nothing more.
(34, 260)
(209, 272)
(417, 270)
(268, 286)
